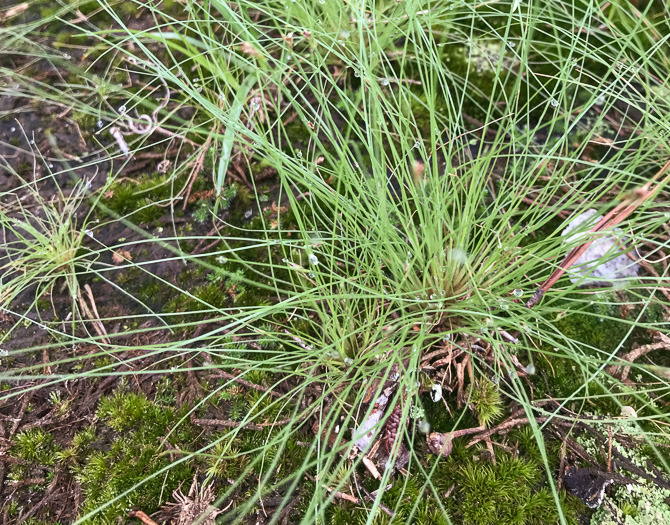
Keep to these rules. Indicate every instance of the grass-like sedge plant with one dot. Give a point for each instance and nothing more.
(429, 155)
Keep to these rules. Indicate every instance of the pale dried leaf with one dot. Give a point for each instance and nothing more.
(14, 11)
(248, 49)
(121, 256)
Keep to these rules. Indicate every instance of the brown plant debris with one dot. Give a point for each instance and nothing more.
(196, 507)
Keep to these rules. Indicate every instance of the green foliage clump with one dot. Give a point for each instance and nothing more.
(35, 445)
(228, 195)
(86, 121)
(128, 473)
(77, 452)
(144, 198)
(486, 402)
(225, 461)
(503, 494)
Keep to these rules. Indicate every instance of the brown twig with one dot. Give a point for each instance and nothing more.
(650, 269)
(142, 517)
(29, 481)
(169, 133)
(197, 250)
(89, 292)
(243, 382)
(22, 411)
(370, 497)
(503, 427)
(97, 324)
(575, 447)
(561, 466)
(50, 493)
(197, 167)
(609, 453)
(441, 443)
(663, 343)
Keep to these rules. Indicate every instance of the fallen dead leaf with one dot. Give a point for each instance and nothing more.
(14, 11)
(121, 256)
(248, 49)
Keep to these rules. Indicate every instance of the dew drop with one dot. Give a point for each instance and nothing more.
(554, 102)
(313, 260)
(517, 292)
(298, 154)
(385, 81)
